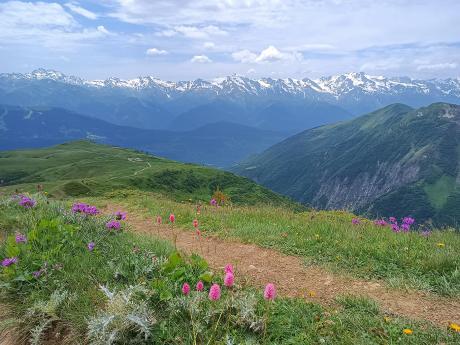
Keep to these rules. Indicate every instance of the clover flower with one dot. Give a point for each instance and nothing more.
(214, 292)
(172, 218)
(228, 268)
(270, 292)
(185, 289)
(229, 279)
(199, 286)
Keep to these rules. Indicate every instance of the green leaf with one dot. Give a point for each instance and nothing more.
(206, 277)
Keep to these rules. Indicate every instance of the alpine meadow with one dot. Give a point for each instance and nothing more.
(229, 172)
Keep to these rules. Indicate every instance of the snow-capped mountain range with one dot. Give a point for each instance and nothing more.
(336, 86)
(275, 104)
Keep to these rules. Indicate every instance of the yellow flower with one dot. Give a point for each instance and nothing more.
(311, 294)
(455, 327)
(440, 245)
(407, 331)
(387, 319)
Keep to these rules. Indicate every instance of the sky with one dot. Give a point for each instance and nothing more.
(189, 39)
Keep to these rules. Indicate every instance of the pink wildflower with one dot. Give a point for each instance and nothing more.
(195, 223)
(172, 218)
(229, 268)
(355, 221)
(158, 220)
(229, 279)
(270, 292)
(185, 289)
(199, 286)
(198, 232)
(214, 292)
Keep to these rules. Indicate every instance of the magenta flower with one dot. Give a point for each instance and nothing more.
(395, 228)
(213, 202)
(195, 223)
(229, 279)
(172, 218)
(199, 286)
(27, 202)
(7, 262)
(185, 289)
(408, 220)
(158, 220)
(355, 221)
(37, 274)
(392, 219)
(270, 292)
(20, 238)
(120, 215)
(81, 207)
(405, 227)
(91, 246)
(380, 222)
(214, 292)
(228, 268)
(113, 225)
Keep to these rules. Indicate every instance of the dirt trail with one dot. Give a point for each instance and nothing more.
(259, 266)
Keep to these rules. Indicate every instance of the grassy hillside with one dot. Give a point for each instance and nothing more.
(396, 161)
(83, 168)
(75, 282)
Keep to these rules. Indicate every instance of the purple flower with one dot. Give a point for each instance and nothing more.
(81, 207)
(213, 202)
(120, 215)
(405, 227)
(408, 220)
(113, 225)
(9, 261)
(27, 202)
(91, 246)
(395, 228)
(20, 238)
(37, 274)
(425, 233)
(355, 221)
(380, 222)
(392, 219)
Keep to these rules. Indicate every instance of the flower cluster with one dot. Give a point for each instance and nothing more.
(81, 207)
(393, 223)
(113, 225)
(26, 202)
(119, 215)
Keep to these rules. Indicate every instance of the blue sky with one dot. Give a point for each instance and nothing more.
(188, 39)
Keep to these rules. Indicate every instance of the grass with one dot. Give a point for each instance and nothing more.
(128, 290)
(405, 260)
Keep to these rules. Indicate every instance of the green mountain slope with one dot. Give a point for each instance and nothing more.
(83, 168)
(395, 161)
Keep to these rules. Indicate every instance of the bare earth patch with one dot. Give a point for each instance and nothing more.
(258, 266)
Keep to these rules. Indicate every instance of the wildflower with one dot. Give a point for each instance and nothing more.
(408, 220)
(229, 279)
(113, 225)
(405, 227)
(199, 286)
(355, 221)
(311, 294)
(407, 331)
(213, 202)
(120, 215)
(185, 289)
(214, 292)
(228, 268)
(425, 233)
(172, 218)
(80, 207)
(158, 220)
(392, 219)
(380, 222)
(270, 292)
(440, 245)
(455, 327)
(387, 319)
(20, 238)
(91, 246)
(27, 202)
(198, 232)
(395, 228)
(37, 274)
(195, 223)
(9, 261)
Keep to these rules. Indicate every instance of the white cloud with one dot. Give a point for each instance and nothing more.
(103, 30)
(156, 51)
(81, 11)
(200, 32)
(166, 33)
(437, 66)
(269, 54)
(200, 59)
(208, 45)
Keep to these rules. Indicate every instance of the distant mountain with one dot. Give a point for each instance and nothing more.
(396, 161)
(220, 144)
(283, 104)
